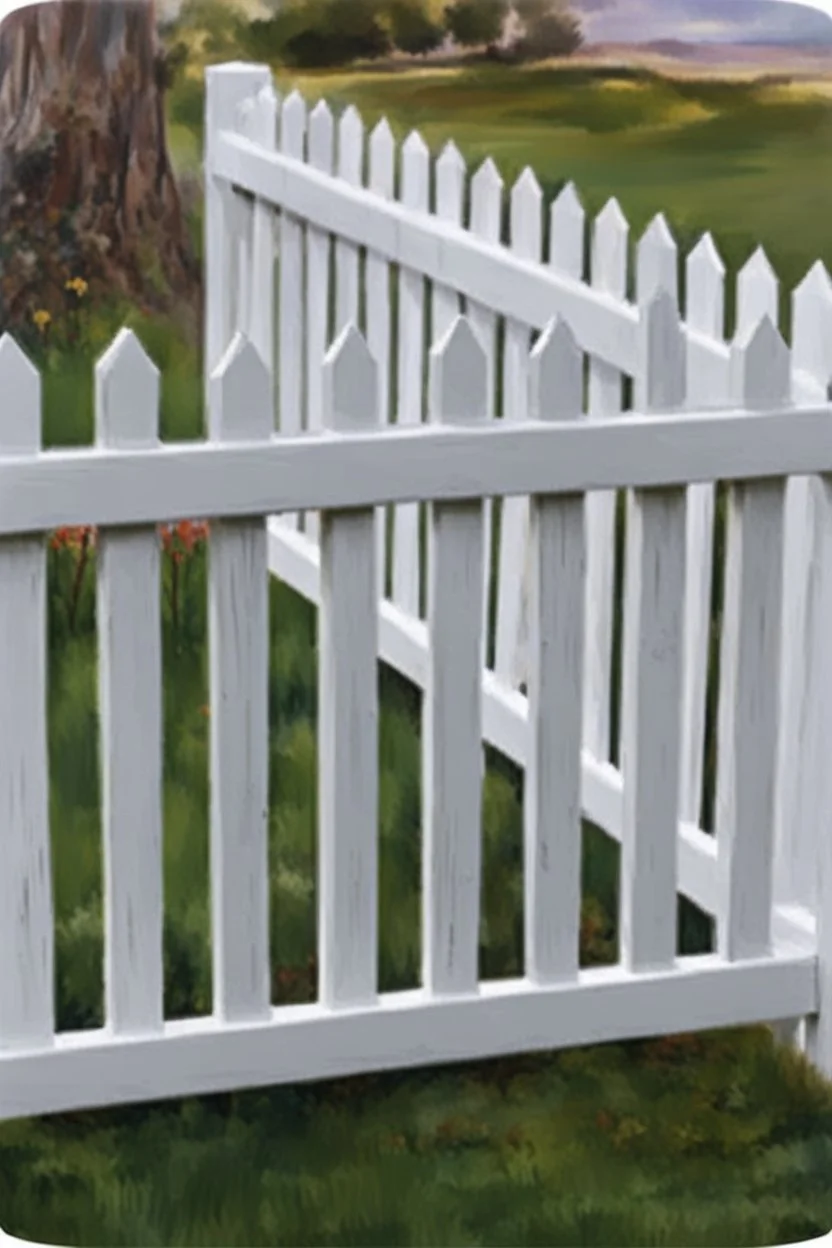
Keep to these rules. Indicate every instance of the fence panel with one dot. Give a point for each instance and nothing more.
(27, 1018)
(348, 706)
(552, 792)
(652, 671)
(378, 292)
(130, 699)
(750, 668)
(238, 643)
(452, 723)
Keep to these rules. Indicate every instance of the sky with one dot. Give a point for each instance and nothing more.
(632, 21)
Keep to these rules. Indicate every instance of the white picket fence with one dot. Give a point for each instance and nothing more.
(752, 413)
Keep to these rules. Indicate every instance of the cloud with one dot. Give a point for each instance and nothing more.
(782, 21)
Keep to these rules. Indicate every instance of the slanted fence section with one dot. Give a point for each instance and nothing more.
(419, 263)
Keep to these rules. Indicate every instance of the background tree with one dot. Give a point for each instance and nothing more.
(87, 190)
(472, 23)
(412, 29)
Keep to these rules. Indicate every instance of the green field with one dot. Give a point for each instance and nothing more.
(720, 1141)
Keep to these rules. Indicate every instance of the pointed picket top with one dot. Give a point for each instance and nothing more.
(610, 250)
(556, 375)
(450, 184)
(567, 221)
(293, 116)
(321, 136)
(458, 377)
(526, 202)
(20, 423)
(415, 147)
(415, 171)
(760, 367)
(351, 146)
(663, 355)
(240, 395)
(487, 201)
(126, 394)
(266, 112)
(758, 292)
(705, 289)
(382, 159)
(657, 261)
(812, 325)
(350, 383)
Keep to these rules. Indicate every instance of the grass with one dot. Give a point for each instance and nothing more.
(715, 1140)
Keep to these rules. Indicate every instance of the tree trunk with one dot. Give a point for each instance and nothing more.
(86, 185)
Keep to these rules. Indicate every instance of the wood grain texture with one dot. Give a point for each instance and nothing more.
(238, 646)
(27, 1009)
(348, 707)
(130, 701)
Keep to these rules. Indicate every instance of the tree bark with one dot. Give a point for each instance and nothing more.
(86, 185)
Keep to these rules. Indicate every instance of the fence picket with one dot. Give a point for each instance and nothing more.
(260, 324)
(292, 288)
(796, 855)
(238, 643)
(705, 313)
(566, 256)
(652, 670)
(348, 706)
(380, 180)
(452, 714)
(411, 346)
(27, 1012)
(130, 700)
(486, 212)
(750, 663)
(351, 170)
(608, 267)
(450, 192)
(552, 791)
(318, 244)
(526, 242)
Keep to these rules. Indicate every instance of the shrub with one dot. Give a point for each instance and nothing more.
(549, 30)
(322, 34)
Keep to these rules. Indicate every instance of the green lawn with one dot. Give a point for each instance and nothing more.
(723, 1140)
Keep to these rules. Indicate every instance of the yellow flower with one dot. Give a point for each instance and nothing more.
(78, 285)
(42, 318)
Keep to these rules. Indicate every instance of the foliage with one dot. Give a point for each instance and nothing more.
(472, 23)
(320, 34)
(412, 30)
(550, 30)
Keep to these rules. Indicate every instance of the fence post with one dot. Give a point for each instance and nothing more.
(226, 87)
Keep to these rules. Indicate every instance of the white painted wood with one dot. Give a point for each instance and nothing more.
(608, 268)
(652, 672)
(70, 487)
(241, 227)
(415, 188)
(409, 1029)
(291, 337)
(552, 792)
(351, 170)
(130, 708)
(532, 294)
(795, 876)
(226, 86)
(485, 223)
(452, 711)
(450, 193)
(348, 707)
(758, 293)
(526, 242)
(816, 774)
(320, 155)
(657, 262)
(260, 325)
(238, 637)
(377, 285)
(566, 254)
(403, 644)
(705, 312)
(27, 1009)
(750, 665)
